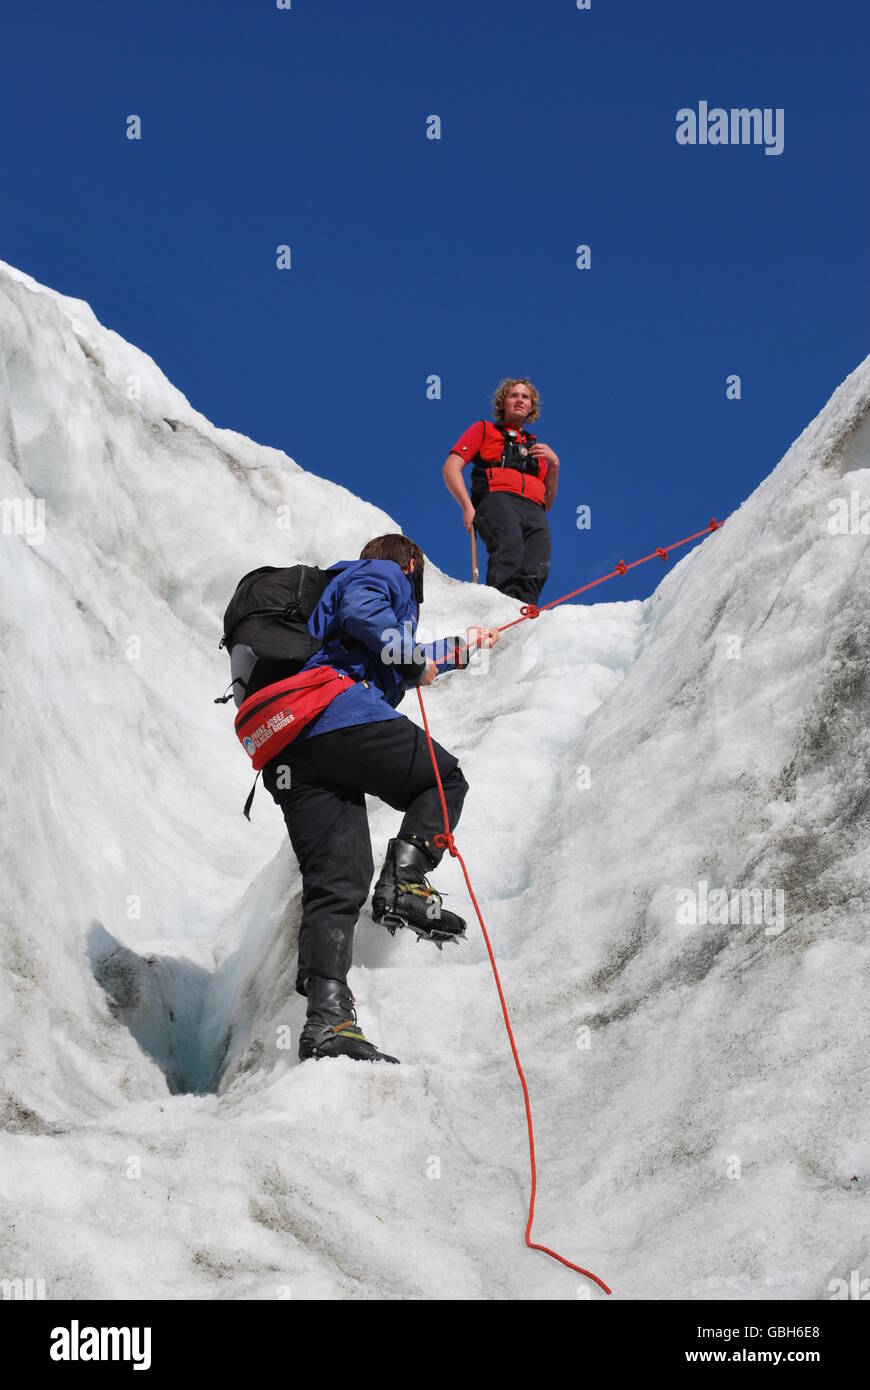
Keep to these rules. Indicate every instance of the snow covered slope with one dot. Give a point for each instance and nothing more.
(698, 1090)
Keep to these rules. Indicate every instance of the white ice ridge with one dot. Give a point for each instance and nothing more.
(698, 1088)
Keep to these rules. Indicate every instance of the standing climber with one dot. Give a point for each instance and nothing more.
(513, 484)
(366, 621)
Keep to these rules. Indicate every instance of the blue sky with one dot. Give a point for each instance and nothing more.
(456, 257)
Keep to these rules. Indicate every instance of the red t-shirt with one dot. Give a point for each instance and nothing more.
(485, 439)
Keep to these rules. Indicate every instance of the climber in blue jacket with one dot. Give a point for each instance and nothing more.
(360, 744)
(366, 620)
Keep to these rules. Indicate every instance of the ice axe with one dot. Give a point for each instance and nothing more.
(474, 571)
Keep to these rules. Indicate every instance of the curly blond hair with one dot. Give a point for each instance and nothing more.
(500, 396)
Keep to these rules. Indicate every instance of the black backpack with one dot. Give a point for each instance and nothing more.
(265, 630)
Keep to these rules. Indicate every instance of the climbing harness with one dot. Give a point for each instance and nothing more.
(508, 466)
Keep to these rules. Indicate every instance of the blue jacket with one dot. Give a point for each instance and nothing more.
(368, 603)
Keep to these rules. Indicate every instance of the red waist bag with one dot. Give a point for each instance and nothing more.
(273, 716)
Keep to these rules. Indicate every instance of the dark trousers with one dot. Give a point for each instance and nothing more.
(325, 811)
(516, 534)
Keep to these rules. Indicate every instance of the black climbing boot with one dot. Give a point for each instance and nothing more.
(404, 898)
(331, 1029)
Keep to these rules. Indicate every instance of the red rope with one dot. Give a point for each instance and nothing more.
(531, 610)
(446, 841)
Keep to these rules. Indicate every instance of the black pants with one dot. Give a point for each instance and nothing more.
(516, 534)
(325, 812)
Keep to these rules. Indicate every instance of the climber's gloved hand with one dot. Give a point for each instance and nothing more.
(417, 671)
